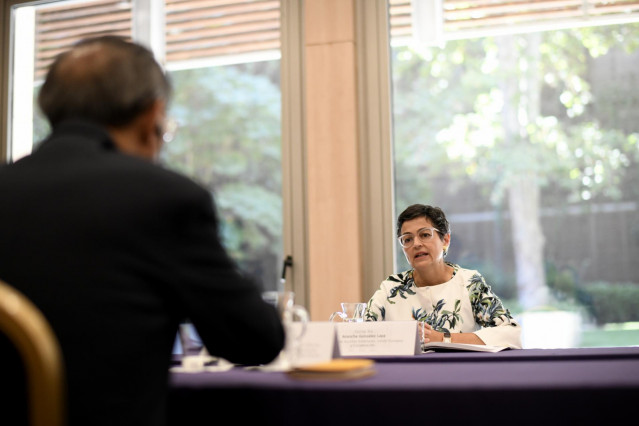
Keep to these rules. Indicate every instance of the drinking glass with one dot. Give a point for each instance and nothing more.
(190, 341)
(351, 312)
(290, 313)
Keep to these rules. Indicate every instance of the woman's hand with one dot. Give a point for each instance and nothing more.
(430, 335)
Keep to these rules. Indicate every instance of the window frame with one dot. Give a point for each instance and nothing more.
(150, 33)
(375, 141)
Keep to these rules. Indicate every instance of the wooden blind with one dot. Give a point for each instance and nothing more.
(197, 29)
(469, 18)
(60, 26)
(200, 29)
(194, 29)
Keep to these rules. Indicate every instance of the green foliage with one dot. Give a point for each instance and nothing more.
(501, 283)
(603, 337)
(252, 216)
(229, 140)
(41, 127)
(611, 302)
(561, 281)
(450, 106)
(605, 302)
(483, 113)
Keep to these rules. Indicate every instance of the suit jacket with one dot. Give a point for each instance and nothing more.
(116, 251)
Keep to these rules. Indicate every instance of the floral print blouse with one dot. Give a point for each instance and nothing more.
(465, 304)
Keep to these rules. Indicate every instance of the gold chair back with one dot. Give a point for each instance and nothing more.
(32, 336)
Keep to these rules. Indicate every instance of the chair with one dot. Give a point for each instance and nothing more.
(32, 336)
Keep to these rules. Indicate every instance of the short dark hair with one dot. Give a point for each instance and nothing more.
(434, 214)
(107, 80)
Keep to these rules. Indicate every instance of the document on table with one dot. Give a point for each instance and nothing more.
(441, 346)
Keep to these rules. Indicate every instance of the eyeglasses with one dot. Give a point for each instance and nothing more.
(424, 234)
(170, 128)
(166, 132)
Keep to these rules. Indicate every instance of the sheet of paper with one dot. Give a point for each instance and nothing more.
(434, 346)
(317, 343)
(378, 338)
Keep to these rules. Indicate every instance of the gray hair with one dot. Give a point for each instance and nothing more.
(106, 80)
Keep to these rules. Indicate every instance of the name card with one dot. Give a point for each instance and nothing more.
(316, 344)
(378, 338)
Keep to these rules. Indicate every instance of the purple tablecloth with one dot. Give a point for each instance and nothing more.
(520, 386)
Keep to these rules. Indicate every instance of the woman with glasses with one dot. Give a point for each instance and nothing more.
(454, 304)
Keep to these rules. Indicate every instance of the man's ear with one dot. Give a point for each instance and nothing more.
(149, 122)
(149, 128)
(143, 136)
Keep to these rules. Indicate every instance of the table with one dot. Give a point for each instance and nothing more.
(549, 386)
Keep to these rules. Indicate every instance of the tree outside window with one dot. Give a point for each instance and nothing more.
(530, 143)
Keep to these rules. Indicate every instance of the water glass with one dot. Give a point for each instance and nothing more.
(284, 302)
(351, 312)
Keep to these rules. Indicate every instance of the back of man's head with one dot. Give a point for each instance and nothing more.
(106, 80)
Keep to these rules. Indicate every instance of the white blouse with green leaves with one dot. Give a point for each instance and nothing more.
(465, 304)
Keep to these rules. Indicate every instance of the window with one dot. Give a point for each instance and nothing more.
(517, 119)
(224, 60)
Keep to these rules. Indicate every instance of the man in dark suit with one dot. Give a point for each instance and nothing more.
(115, 250)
